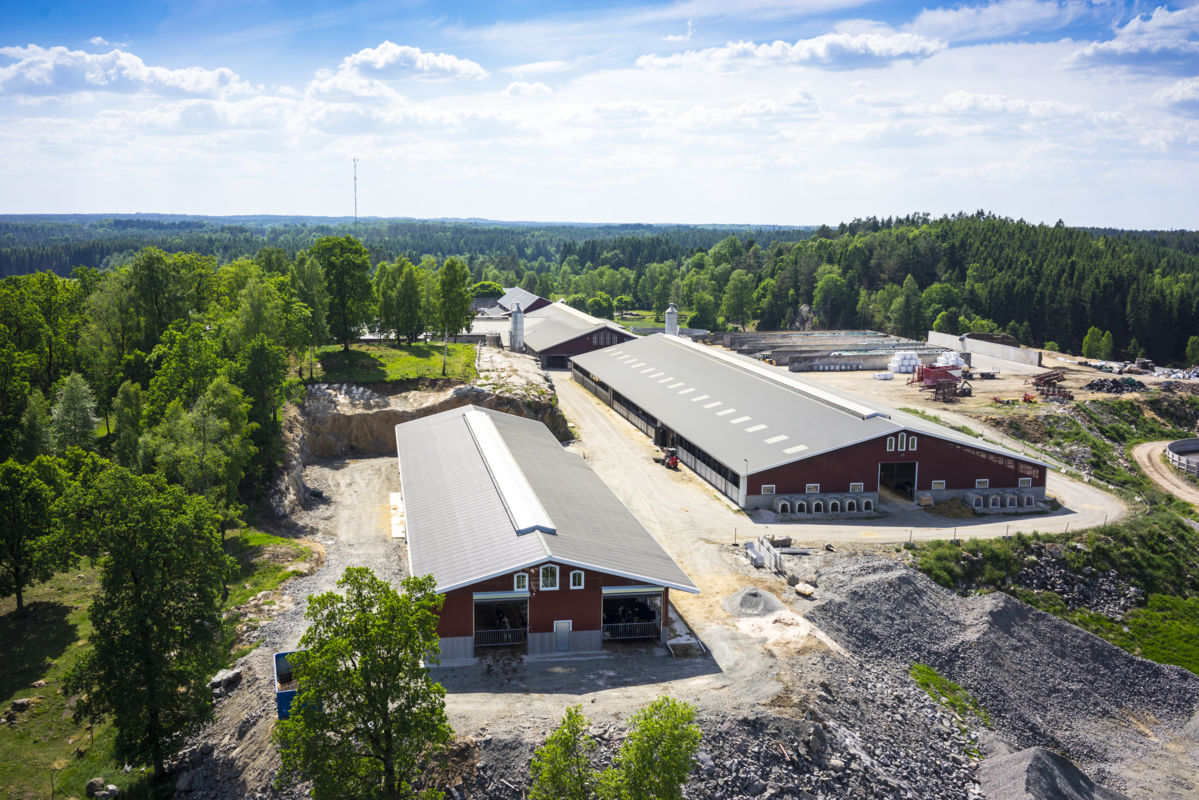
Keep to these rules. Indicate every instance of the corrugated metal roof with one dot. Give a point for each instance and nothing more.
(552, 325)
(460, 523)
(737, 409)
(516, 295)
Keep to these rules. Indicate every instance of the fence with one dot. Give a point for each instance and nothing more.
(632, 630)
(498, 638)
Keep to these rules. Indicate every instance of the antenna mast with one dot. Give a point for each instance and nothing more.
(355, 197)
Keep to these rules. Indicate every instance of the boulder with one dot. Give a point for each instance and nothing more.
(93, 786)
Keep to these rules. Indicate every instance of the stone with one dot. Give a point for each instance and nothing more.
(93, 786)
(706, 765)
(225, 679)
(112, 789)
(836, 765)
(187, 781)
(38, 684)
(22, 704)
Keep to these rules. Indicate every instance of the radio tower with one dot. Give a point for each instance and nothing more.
(355, 198)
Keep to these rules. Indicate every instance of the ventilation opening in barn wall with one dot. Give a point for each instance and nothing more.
(899, 477)
(503, 623)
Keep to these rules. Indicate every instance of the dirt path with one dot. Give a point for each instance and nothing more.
(1149, 458)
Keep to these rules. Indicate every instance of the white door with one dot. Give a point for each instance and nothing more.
(562, 636)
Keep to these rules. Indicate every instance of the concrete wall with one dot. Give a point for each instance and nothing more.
(456, 648)
(542, 644)
(1184, 454)
(1020, 355)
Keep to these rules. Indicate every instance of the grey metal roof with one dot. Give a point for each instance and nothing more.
(516, 295)
(557, 323)
(739, 410)
(472, 478)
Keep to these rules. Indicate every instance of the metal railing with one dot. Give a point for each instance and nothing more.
(503, 636)
(632, 630)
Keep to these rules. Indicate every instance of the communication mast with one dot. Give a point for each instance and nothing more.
(355, 197)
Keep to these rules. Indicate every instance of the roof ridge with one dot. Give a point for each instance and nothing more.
(524, 507)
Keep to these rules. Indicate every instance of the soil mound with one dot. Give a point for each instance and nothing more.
(1039, 774)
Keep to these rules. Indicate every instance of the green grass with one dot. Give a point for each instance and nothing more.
(948, 693)
(369, 363)
(44, 643)
(934, 418)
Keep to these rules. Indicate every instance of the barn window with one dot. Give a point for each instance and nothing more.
(890, 444)
(978, 502)
(768, 488)
(1011, 500)
(817, 507)
(549, 577)
(520, 582)
(994, 501)
(811, 488)
(851, 505)
(801, 507)
(1028, 499)
(912, 443)
(903, 441)
(1026, 482)
(938, 485)
(784, 507)
(867, 505)
(834, 506)
(576, 579)
(856, 487)
(982, 483)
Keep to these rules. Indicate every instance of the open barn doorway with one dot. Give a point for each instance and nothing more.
(898, 477)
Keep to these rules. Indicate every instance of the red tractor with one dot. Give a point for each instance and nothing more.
(669, 458)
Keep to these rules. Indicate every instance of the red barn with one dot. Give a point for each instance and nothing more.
(556, 332)
(769, 440)
(529, 547)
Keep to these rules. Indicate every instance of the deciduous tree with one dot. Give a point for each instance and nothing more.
(347, 265)
(453, 302)
(30, 551)
(738, 302)
(157, 612)
(657, 756)
(368, 717)
(561, 768)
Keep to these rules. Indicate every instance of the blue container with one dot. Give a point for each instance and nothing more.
(283, 675)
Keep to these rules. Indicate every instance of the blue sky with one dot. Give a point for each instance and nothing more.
(762, 111)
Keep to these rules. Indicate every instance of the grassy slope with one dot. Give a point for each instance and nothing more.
(46, 642)
(369, 363)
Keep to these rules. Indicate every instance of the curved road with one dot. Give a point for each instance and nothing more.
(674, 503)
(1149, 458)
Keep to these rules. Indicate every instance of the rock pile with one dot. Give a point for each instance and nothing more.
(1115, 385)
(1102, 592)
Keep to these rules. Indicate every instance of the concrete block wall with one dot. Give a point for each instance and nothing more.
(1020, 355)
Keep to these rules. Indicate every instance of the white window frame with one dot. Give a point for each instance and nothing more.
(982, 483)
(768, 488)
(890, 444)
(857, 487)
(544, 570)
(520, 582)
(937, 486)
(911, 443)
(903, 441)
(573, 573)
(811, 488)
(1025, 482)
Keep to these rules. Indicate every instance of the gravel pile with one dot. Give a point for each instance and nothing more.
(1045, 682)
(870, 736)
(1039, 774)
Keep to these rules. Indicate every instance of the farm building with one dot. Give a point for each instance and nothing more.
(555, 332)
(771, 440)
(530, 549)
(522, 297)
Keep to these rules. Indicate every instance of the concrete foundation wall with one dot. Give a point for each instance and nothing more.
(1018, 354)
(454, 648)
(542, 644)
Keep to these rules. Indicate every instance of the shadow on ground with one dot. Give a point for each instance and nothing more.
(37, 635)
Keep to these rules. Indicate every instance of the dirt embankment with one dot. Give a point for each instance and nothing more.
(346, 420)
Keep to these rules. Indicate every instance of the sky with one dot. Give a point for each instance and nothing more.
(796, 112)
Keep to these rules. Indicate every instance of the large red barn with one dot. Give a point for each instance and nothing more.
(769, 440)
(528, 545)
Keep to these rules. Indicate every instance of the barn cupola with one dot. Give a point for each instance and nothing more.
(521, 502)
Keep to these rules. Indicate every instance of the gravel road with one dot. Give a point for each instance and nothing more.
(1149, 458)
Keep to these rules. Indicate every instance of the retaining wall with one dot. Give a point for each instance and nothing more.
(1020, 355)
(1184, 454)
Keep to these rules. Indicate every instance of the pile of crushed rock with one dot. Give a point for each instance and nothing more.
(1044, 681)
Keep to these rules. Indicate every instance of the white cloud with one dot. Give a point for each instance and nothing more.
(540, 68)
(390, 60)
(43, 71)
(681, 37)
(1164, 41)
(523, 89)
(832, 50)
(998, 19)
(1182, 96)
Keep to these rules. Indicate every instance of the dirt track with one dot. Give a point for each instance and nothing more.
(1149, 458)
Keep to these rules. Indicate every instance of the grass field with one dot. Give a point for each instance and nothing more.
(371, 363)
(44, 743)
